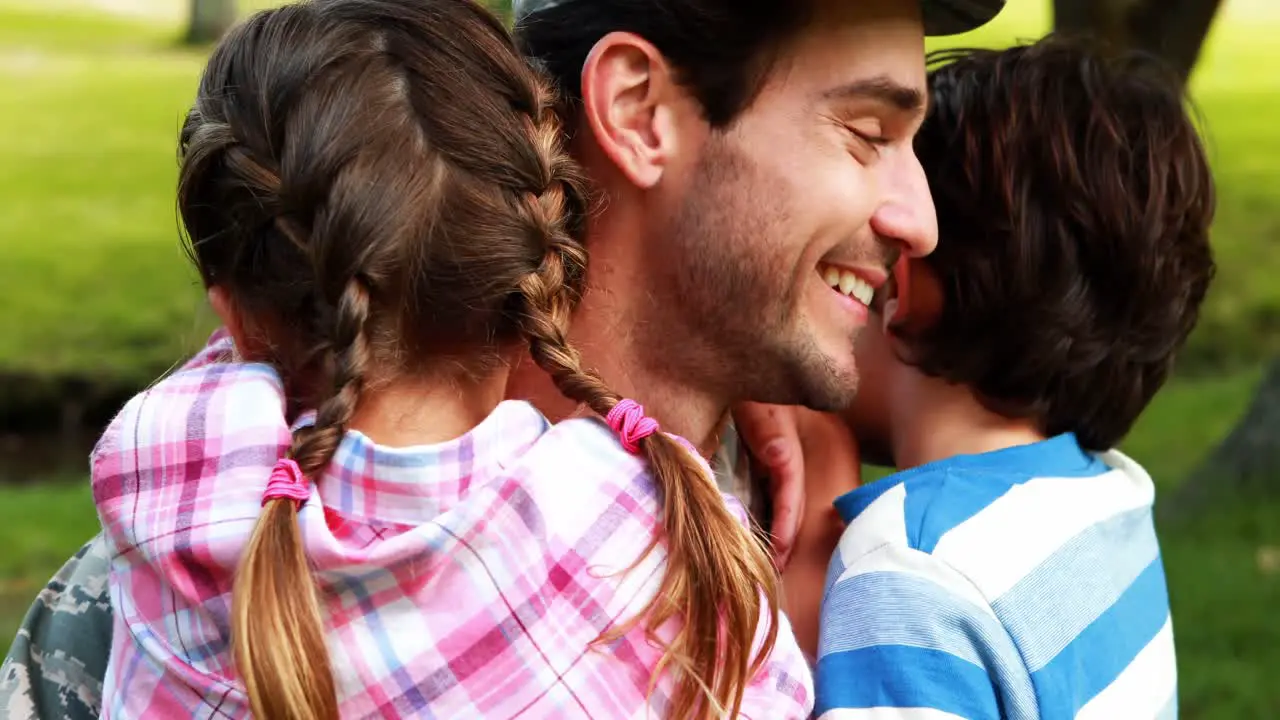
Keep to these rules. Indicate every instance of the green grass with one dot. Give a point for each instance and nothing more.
(95, 282)
(96, 287)
(1223, 564)
(40, 527)
(1224, 601)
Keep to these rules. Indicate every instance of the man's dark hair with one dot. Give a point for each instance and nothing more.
(1074, 201)
(722, 50)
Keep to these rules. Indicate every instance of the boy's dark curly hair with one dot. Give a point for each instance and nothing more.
(1074, 200)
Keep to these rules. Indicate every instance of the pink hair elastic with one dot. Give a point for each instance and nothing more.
(287, 483)
(628, 420)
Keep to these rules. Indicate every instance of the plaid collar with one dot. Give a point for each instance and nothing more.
(411, 485)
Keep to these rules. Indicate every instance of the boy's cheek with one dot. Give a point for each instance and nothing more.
(919, 298)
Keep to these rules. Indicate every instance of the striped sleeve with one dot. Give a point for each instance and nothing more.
(906, 637)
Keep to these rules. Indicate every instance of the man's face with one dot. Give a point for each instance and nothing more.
(775, 232)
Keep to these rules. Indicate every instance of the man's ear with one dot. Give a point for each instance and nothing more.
(630, 100)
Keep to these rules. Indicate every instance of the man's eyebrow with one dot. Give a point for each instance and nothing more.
(881, 88)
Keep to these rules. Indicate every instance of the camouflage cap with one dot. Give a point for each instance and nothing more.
(941, 17)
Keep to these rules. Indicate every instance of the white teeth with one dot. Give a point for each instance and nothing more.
(846, 283)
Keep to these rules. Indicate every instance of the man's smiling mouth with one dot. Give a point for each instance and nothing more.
(846, 283)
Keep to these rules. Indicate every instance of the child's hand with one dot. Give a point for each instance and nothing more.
(812, 459)
(808, 455)
(771, 433)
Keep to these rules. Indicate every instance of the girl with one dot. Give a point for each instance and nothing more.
(376, 198)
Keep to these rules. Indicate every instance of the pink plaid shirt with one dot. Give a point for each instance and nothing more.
(461, 580)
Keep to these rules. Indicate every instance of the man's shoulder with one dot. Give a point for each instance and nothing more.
(56, 665)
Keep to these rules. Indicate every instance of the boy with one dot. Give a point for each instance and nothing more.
(1011, 569)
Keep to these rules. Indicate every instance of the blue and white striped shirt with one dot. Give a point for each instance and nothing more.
(1022, 583)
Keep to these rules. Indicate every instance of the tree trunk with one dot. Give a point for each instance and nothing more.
(1172, 29)
(1247, 462)
(1099, 18)
(210, 20)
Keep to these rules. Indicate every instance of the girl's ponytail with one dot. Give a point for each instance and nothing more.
(278, 630)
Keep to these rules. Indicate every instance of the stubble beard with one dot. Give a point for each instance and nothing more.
(725, 310)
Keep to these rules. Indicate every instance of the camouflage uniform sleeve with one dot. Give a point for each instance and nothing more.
(57, 663)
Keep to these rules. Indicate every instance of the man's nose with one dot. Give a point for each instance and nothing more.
(905, 214)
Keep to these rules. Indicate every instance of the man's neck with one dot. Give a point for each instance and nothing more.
(934, 420)
(602, 331)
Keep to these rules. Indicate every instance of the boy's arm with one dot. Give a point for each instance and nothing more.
(904, 636)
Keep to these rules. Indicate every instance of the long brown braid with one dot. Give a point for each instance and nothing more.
(719, 576)
(380, 187)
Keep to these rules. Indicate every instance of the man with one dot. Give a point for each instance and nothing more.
(779, 129)
(757, 179)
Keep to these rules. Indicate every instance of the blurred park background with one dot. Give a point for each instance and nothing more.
(97, 299)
